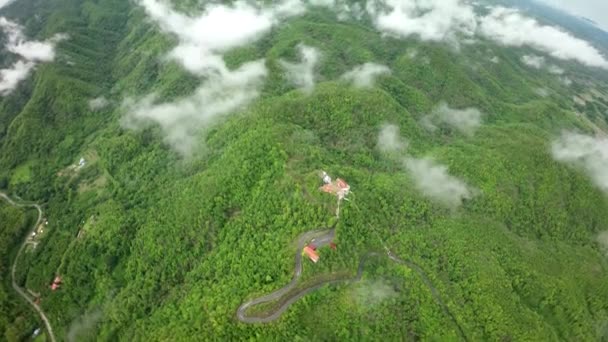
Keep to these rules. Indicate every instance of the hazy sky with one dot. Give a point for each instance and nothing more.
(596, 10)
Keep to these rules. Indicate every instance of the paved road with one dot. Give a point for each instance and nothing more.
(18, 289)
(321, 238)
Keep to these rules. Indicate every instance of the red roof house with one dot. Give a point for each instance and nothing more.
(56, 283)
(311, 253)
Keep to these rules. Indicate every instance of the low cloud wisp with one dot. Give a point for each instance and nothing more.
(430, 20)
(434, 181)
(466, 121)
(3, 3)
(302, 74)
(30, 54)
(98, 103)
(389, 139)
(538, 62)
(244, 22)
(511, 28)
(533, 61)
(542, 92)
(364, 76)
(587, 152)
(232, 26)
(455, 22)
(371, 293)
(555, 70)
(222, 90)
(182, 120)
(81, 328)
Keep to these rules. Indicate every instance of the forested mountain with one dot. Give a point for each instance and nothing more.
(175, 149)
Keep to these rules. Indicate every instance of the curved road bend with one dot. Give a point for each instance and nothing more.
(321, 238)
(16, 287)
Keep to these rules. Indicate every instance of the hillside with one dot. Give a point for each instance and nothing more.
(475, 154)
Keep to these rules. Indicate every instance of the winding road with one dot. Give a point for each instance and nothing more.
(16, 287)
(321, 238)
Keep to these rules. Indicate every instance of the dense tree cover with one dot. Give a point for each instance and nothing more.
(17, 321)
(166, 248)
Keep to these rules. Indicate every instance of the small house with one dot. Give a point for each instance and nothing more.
(56, 283)
(311, 253)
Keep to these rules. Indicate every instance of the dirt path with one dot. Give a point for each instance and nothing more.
(323, 237)
(16, 287)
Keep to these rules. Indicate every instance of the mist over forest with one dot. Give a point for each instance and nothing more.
(395, 170)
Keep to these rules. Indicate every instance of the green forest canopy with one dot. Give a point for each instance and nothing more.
(152, 245)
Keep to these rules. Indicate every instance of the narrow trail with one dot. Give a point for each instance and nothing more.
(323, 237)
(16, 287)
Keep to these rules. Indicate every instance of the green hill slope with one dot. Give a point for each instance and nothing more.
(155, 246)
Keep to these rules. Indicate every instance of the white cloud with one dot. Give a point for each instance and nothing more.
(5, 2)
(533, 61)
(231, 26)
(10, 77)
(538, 62)
(555, 70)
(30, 52)
(390, 140)
(363, 76)
(302, 74)
(433, 20)
(202, 39)
(430, 178)
(542, 92)
(182, 120)
(286, 8)
(83, 326)
(435, 182)
(510, 28)
(34, 51)
(455, 21)
(368, 294)
(342, 8)
(412, 53)
(566, 81)
(465, 121)
(217, 29)
(98, 103)
(590, 153)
